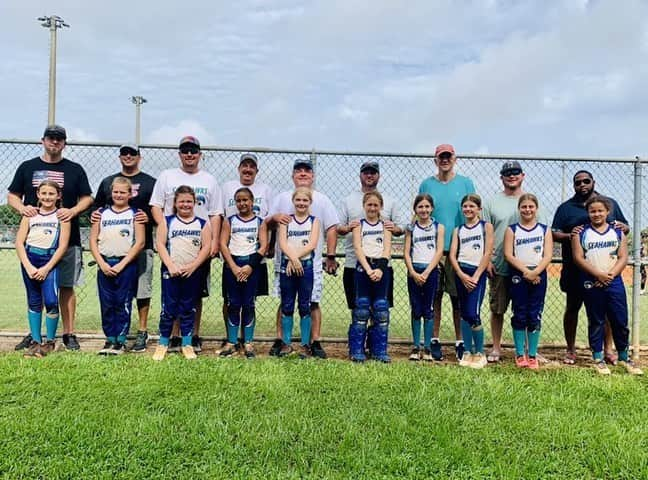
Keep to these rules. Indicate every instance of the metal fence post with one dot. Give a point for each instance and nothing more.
(636, 257)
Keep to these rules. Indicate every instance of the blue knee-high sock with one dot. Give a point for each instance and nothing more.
(416, 331)
(34, 319)
(51, 324)
(466, 333)
(112, 340)
(186, 340)
(305, 329)
(286, 328)
(121, 339)
(164, 341)
(519, 338)
(597, 356)
(534, 339)
(428, 326)
(232, 333)
(248, 319)
(623, 355)
(478, 338)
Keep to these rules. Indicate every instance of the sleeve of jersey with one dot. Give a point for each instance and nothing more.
(100, 198)
(157, 196)
(216, 200)
(17, 184)
(84, 184)
(331, 218)
(618, 214)
(470, 186)
(557, 223)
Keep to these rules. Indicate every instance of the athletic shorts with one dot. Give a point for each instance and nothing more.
(316, 296)
(447, 282)
(500, 297)
(348, 279)
(71, 268)
(262, 285)
(145, 274)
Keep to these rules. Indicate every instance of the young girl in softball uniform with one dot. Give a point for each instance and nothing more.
(183, 242)
(372, 246)
(41, 242)
(528, 248)
(115, 242)
(423, 251)
(244, 239)
(297, 242)
(601, 252)
(470, 254)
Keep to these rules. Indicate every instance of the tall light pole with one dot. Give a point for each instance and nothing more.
(138, 101)
(53, 22)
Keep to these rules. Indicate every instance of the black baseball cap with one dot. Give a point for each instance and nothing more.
(371, 165)
(511, 166)
(55, 131)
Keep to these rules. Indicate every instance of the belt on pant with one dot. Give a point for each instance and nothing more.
(40, 251)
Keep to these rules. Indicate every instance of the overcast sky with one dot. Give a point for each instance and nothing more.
(546, 77)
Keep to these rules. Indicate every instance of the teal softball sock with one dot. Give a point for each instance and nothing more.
(534, 339)
(416, 332)
(478, 338)
(623, 355)
(286, 329)
(428, 326)
(248, 333)
(51, 324)
(232, 333)
(164, 341)
(519, 338)
(186, 340)
(112, 340)
(121, 339)
(34, 319)
(597, 356)
(466, 333)
(305, 324)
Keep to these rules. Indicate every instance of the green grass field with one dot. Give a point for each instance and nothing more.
(335, 314)
(84, 416)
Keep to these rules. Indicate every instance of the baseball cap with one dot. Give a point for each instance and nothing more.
(249, 157)
(509, 166)
(189, 139)
(129, 146)
(371, 165)
(55, 131)
(444, 148)
(303, 162)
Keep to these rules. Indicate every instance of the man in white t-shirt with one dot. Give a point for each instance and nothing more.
(322, 208)
(248, 170)
(209, 205)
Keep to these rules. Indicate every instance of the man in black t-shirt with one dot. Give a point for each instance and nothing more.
(142, 188)
(76, 199)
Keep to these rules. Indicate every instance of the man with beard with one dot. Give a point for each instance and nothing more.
(568, 221)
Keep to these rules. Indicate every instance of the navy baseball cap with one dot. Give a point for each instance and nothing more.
(371, 165)
(511, 166)
(55, 131)
(303, 162)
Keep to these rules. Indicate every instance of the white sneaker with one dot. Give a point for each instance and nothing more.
(160, 353)
(630, 367)
(189, 353)
(466, 360)
(479, 360)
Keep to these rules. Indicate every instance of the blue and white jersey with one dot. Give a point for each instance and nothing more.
(528, 244)
(424, 242)
(183, 239)
(299, 235)
(116, 232)
(601, 249)
(244, 235)
(471, 243)
(44, 231)
(372, 237)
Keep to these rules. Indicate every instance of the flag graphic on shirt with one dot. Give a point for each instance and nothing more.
(40, 176)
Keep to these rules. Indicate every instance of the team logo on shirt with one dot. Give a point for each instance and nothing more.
(588, 285)
(476, 246)
(515, 279)
(379, 240)
(537, 248)
(430, 246)
(251, 239)
(304, 242)
(195, 242)
(47, 231)
(124, 233)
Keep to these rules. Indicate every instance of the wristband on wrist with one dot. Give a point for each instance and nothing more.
(330, 257)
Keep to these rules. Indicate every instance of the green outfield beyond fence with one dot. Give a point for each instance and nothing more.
(337, 175)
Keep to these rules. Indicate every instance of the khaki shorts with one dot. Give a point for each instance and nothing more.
(447, 282)
(71, 268)
(145, 274)
(500, 296)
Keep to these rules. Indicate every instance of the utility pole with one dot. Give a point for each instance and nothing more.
(53, 22)
(138, 101)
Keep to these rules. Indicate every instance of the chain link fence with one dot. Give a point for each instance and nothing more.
(337, 175)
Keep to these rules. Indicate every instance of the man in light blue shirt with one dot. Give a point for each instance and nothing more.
(447, 188)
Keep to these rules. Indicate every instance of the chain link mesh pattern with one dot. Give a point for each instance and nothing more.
(337, 175)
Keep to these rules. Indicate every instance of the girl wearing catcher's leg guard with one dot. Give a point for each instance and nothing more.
(423, 251)
(41, 242)
(244, 240)
(470, 254)
(372, 245)
(528, 248)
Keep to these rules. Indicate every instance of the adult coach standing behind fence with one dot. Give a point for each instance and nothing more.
(447, 188)
(568, 218)
(209, 206)
(142, 188)
(75, 200)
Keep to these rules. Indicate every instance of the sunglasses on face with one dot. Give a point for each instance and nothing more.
(445, 156)
(192, 150)
(510, 173)
(584, 181)
(125, 152)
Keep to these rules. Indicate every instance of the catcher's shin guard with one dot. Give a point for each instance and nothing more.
(380, 331)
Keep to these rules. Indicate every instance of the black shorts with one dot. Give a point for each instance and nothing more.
(348, 279)
(262, 285)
